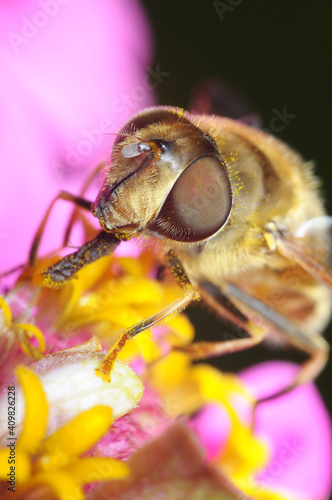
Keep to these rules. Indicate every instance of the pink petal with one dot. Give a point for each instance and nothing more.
(212, 425)
(298, 429)
(129, 248)
(72, 72)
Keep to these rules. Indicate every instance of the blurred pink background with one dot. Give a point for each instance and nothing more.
(71, 73)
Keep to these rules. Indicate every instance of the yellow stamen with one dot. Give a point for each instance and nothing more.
(34, 424)
(90, 470)
(26, 345)
(61, 483)
(244, 454)
(6, 311)
(32, 331)
(78, 435)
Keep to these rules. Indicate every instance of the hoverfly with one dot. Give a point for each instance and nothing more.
(240, 221)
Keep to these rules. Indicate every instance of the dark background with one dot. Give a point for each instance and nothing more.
(278, 54)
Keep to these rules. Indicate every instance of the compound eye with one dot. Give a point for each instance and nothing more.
(135, 149)
(199, 203)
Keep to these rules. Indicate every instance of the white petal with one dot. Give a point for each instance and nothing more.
(72, 386)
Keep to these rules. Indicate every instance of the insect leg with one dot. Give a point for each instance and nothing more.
(63, 195)
(308, 371)
(169, 311)
(61, 272)
(314, 345)
(12, 270)
(223, 305)
(74, 215)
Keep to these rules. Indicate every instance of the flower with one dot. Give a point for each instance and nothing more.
(297, 428)
(55, 462)
(216, 406)
(203, 390)
(85, 390)
(170, 466)
(190, 433)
